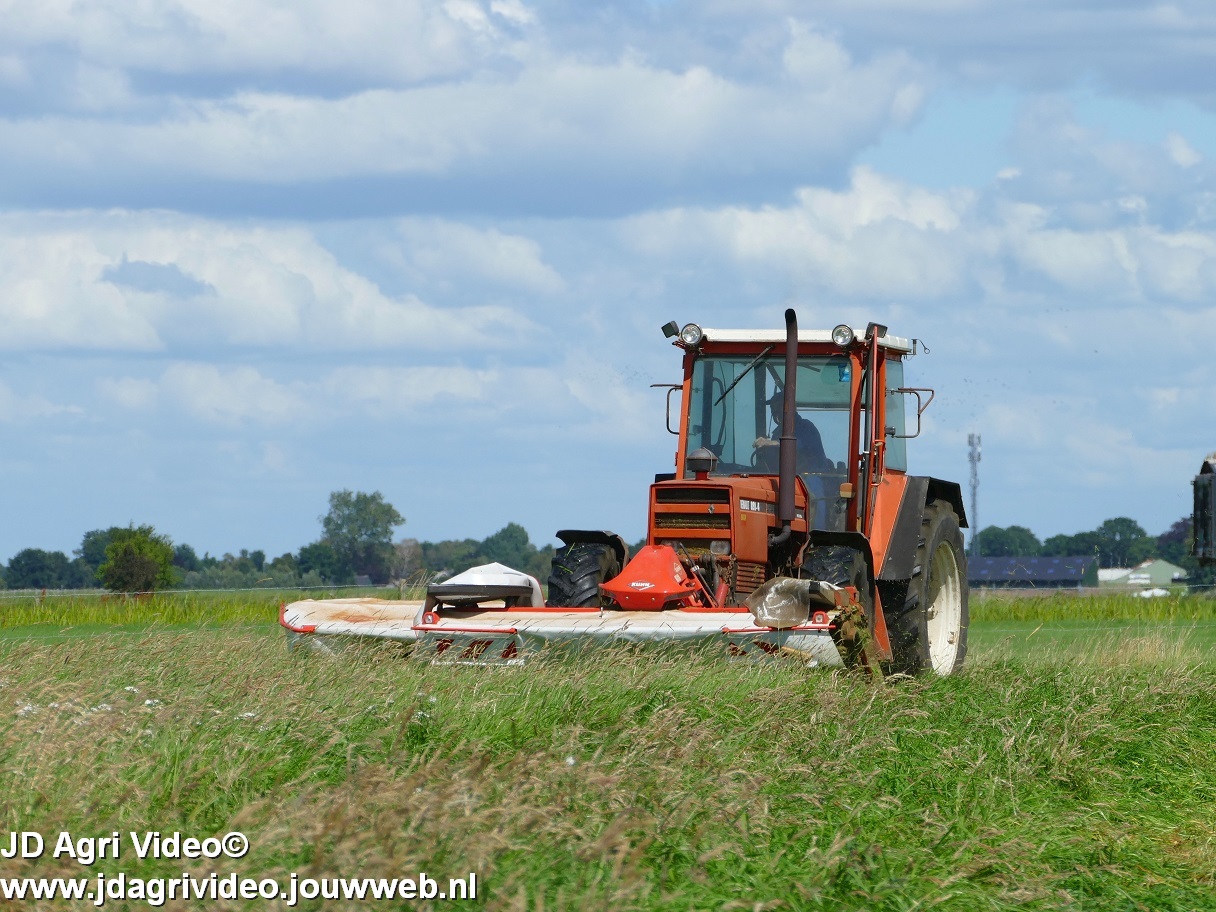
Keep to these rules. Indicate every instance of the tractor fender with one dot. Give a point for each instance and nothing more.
(919, 492)
(596, 537)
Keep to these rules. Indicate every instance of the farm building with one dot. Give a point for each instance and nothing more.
(1149, 574)
(1032, 572)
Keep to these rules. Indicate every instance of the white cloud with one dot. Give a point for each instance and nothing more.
(438, 249)
(401, 390)
(1181, 151)
(274, 458)
(1140, 47)
(812, 58)
(54, 297)
(877, 237)
(128, 392)
(1077, 260)
(554, 118)
(15, 407)
(13, 71)
(513, 11)
(233, 395)
(407, 40)
(585, 400)
(266, 286)
(883, 238)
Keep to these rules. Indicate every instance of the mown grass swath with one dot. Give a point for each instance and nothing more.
(200, 607)
(635, 780)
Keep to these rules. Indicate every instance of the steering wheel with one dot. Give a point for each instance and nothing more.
(765, 454)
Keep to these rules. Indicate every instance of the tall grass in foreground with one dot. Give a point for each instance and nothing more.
(632, 781)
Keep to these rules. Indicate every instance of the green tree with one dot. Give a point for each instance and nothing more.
(185, 558)
(359, 528)
(321, 558)
(1174, 544)
(92, 550)
(509, 545)
(283, 565)
(1123, 542)
(450, 556)
(34, 568)
(1118, 542)
(1141, 550)
(138, 559)
(407, 558)
(1016, 541)
(81, 575)
(1066, 546)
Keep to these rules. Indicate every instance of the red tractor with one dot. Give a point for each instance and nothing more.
(789, 526)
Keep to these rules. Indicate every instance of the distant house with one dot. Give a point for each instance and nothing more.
(1032, 572)
(1151, 574)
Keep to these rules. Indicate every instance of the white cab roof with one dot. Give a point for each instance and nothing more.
(897, 343)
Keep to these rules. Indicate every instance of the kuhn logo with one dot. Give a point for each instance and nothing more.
(641, 584)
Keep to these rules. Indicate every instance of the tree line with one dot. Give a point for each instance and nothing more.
(1118, 542)
(356, 545)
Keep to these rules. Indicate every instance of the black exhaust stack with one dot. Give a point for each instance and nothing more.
(788, 454)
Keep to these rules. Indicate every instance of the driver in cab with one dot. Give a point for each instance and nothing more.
(811, 455)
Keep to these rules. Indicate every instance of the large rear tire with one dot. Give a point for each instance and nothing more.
(577, 572)
(930, 632)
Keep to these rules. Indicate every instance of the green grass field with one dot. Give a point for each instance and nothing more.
(1070, 766)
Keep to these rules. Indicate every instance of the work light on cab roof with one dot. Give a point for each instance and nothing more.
(789, 525)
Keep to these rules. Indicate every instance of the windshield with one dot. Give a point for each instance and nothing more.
(735, 411)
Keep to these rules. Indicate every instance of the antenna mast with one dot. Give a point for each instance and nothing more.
(973, 441)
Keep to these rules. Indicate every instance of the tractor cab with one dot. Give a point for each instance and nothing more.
(735, 400)
(753, 399)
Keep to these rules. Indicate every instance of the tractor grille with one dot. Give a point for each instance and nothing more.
(692, 495)
(748, 577)
(700, 554)
(691, 521)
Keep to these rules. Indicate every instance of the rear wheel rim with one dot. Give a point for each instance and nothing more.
(945, 613)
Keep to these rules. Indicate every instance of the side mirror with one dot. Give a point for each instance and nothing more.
(921, 405)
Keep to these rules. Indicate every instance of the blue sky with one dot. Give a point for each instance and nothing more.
(253, 253)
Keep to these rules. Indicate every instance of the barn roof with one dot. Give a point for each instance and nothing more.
(1028, 569)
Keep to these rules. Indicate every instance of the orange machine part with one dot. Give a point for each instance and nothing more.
(888, 495)
(654, 579)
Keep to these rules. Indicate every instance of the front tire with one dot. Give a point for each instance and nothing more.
(577, 572)
(930, 632)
